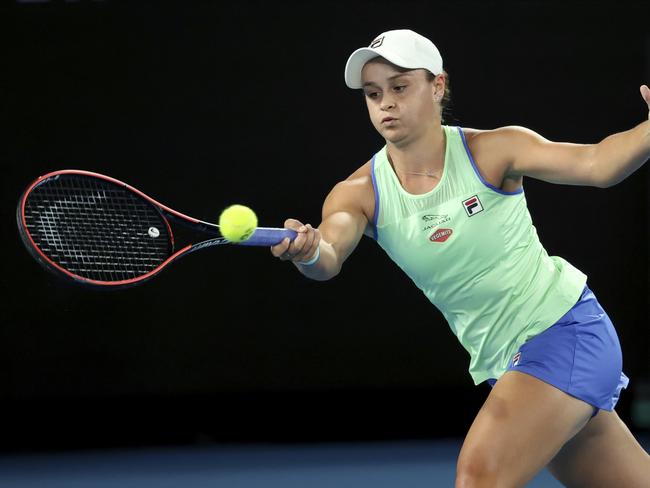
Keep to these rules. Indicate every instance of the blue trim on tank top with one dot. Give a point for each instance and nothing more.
(375, 216)
(471, 159)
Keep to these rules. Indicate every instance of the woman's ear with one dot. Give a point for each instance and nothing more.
(439, 87)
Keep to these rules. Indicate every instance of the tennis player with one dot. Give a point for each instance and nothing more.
(448, 206)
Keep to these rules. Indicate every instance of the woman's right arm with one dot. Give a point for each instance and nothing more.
(344, 221)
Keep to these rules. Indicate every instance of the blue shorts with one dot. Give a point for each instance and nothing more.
(579, 354)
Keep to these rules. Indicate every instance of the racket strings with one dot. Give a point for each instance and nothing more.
(96, 229)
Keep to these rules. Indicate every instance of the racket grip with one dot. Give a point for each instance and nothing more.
(268, 236)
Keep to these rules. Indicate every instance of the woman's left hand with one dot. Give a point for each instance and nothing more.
(645, 93)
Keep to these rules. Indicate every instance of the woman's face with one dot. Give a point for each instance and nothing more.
(401, 105)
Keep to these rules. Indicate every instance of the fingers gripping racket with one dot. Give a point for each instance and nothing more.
(96, 230)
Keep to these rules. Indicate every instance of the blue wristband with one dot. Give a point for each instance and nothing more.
(312, 260)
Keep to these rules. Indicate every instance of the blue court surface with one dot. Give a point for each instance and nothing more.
(400, 464)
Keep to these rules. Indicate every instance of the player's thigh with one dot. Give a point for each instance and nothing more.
(603, 454)
(521, 426)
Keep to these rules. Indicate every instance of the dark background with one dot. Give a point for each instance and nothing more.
(204, 104)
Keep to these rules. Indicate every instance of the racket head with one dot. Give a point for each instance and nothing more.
(93, 230)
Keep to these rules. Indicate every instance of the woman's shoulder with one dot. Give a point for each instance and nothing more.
(362, 173)
(359, 183)
(490, 149)
(356, 191)
(496, 136)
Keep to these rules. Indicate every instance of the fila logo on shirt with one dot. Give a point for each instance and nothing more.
(472, 206)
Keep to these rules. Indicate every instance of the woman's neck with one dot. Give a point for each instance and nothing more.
(424, 156)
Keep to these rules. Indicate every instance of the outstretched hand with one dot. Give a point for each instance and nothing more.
(303, 246)
(645, 93)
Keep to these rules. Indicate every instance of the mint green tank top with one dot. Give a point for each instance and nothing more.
(474, 252)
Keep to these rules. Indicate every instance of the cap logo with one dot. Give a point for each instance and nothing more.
(377, 42)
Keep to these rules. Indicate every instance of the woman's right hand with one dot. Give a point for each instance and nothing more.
(302, 248)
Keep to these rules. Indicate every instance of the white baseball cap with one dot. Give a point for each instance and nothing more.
(403, 48)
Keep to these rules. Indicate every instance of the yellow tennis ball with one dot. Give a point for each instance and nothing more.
(237, 223)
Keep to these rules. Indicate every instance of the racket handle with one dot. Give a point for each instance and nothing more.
(269, 236)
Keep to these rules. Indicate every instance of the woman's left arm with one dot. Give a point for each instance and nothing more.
(602, 165)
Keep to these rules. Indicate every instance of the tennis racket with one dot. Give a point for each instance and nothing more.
(98, 231)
